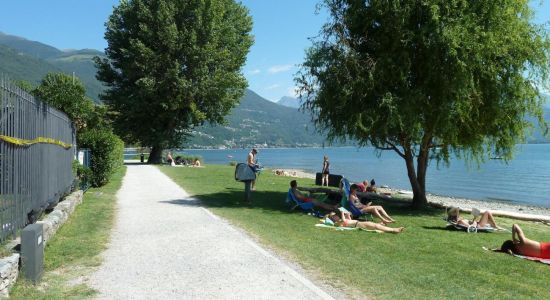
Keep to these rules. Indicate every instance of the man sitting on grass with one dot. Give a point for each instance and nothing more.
(301, 197)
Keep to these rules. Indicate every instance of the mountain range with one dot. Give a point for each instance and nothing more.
(21, 59)
(255, 121)
(289, 102)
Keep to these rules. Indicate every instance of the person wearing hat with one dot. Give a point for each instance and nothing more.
(453, 215)
(251, 161)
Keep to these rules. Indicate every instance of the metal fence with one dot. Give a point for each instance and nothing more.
(37, 145)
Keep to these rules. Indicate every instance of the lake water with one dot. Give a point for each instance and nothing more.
(525, 179)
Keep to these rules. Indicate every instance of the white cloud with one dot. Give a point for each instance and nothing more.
(293, 92)
(273, 86)
(254, 72)
(279, 69)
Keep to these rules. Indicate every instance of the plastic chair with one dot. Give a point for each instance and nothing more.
(306, 206)
(347, 204)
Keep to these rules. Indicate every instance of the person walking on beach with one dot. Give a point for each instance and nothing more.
(251, 161)
(325, 172)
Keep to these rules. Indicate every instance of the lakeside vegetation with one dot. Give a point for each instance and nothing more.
(426, 261)
(75, 249)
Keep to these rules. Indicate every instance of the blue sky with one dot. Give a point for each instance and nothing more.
(281, 30)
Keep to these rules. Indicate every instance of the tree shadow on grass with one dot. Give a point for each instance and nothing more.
(275, 202)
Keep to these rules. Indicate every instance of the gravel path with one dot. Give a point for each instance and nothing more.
(164, 245)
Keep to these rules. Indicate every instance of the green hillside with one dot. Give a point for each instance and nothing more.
(21, 59)
(258, 121)
(19, 66)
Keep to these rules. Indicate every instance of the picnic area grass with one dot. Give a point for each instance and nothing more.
(426, 261)
(75, 249)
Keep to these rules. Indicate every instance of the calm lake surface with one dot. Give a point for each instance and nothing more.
(524, 180)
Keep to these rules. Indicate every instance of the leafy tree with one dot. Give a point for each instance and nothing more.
(67, 94)
(173, 65)
(25, 85)
(428, 79)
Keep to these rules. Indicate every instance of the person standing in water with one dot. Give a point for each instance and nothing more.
(325, 172)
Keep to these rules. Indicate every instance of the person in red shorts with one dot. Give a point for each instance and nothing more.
(524, 246)
(301, 197)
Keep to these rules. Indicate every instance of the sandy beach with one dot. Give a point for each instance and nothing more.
(441, 201)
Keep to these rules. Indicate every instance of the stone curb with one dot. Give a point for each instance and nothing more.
(9, 266)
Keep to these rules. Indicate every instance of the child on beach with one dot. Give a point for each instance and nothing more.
(524, 246)
(345, 220)
(376, 210)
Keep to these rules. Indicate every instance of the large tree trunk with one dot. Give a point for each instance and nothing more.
(155, 157)
(417, 178)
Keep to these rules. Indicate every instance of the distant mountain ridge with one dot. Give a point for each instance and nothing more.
(259, 122)
(255, 121)
(22, 59)
(289, 102)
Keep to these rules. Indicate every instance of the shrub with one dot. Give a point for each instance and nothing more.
(107, 154)
(82, 174)
(233, 163)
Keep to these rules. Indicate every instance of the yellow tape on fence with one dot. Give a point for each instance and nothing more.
(38, 140)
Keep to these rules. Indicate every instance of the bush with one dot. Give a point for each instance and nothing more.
(107, 154)
(82, 174)
(233, 163)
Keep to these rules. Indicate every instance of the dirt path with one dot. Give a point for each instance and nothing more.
(164, 245)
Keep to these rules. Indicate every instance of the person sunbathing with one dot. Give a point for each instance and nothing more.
(303, 198)
(345, 220)
(453, 216)
(375, 210)
(521, 245)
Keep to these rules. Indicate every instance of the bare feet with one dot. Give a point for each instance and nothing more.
(399, 230)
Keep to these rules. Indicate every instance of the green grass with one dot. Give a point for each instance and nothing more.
(425, 262)
(74, 250)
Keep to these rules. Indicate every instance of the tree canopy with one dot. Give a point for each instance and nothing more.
(173, 65)
(428, 78)
(67, 94)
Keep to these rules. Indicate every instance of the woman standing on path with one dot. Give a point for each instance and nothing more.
(325, 172)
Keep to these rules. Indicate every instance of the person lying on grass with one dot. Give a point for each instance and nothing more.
(375, 210)
(524, 246)
(453, 216)
(301, 197)
(345, 220)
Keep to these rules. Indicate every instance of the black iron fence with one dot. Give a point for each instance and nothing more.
(37, 145)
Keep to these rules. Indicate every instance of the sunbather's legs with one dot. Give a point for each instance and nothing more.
(384, 213)
(374, 226)
(487, 217)
(375, 212)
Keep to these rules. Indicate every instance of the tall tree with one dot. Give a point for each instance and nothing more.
(173, 65)
(428, 79)
(68, 94)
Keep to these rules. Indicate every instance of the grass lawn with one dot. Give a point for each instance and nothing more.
(74, 250)
(425, 262)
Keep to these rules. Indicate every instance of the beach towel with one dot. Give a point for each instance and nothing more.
(345, 228)
(471, 228)
(531, 258)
